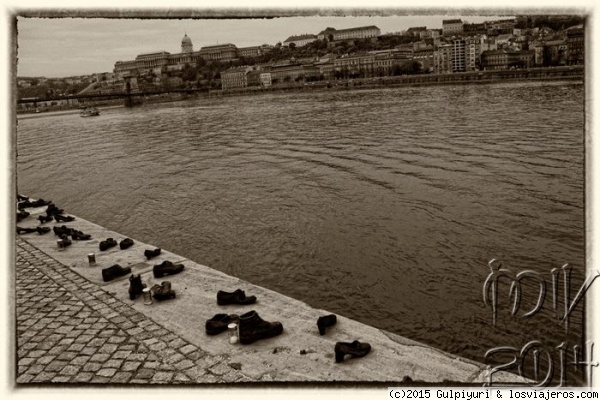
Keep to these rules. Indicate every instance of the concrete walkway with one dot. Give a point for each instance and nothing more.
(70, 330)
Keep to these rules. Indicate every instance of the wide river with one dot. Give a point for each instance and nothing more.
(382, 205)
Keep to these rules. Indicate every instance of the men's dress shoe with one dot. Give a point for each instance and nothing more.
(167, 268)
(45, 218)
(126, 243)
(326, 322)
(65, 242)
(78, 235)
(42, 230)
(163, 291)
(107, 244)
(219, 323)
(354, 349)
(63, 218)
(116, 271)
(21, 215)
(237, 297)
(253, 328)
(135, 286)
(152, 253)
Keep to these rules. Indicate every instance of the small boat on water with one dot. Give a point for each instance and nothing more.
(89, 112)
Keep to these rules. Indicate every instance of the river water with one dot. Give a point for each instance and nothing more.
(383, 205)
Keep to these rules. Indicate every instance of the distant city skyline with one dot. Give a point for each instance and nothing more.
(63, 47)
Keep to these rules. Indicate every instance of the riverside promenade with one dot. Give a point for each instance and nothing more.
(73, 328)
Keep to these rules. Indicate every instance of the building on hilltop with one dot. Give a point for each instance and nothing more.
(219, 52)
(161, 61)
(363, 32)
(300, 40)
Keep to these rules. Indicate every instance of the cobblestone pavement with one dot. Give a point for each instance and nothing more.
(70, 330)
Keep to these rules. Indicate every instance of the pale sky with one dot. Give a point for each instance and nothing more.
(64, 47)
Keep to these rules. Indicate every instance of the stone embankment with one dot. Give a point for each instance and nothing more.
(72, 327)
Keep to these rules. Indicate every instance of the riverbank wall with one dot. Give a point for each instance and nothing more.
(570, 73)
(299, 354)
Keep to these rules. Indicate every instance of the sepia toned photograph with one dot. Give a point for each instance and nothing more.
(275, 198)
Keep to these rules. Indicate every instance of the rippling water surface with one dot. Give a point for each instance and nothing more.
(382, 205)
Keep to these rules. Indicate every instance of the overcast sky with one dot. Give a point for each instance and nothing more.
(64, 47)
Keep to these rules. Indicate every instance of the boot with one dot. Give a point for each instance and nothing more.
(219, 322)
(167, 268)
(45, 218)
(354, 349)
(63, 218)
(135, 286)
(253, 328)
(326, 322)
(53, 210)
(78, 235)
(237, 297)
(107, 244)
(65, 242)
(163, 291)
(152, 253)
(116, 271)
(126, 243)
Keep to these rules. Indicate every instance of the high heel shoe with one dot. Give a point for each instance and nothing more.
(354, 349)
(135, 286)
(326, 322)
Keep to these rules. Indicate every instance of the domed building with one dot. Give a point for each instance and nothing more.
(186, 44)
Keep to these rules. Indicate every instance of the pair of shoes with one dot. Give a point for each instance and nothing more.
(78, 235)
(62, 230)
(107, 244)
(167, 268)
(354, 349)
(53, 210)
(236, 297)
(152, 253)
(28, 203)
(42, 230)
(45, 218)
(219, 323)
(21, 215)
(126, 243)
(25, 230)
(325, 322)
(116, 271)
(163, 291)
(63, 218)
(252, 328)
(135, 286)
